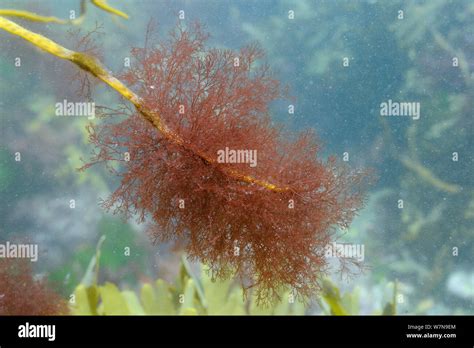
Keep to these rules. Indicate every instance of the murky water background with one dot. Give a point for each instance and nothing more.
(341, 61)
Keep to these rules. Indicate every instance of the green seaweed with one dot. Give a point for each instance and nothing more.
(193, 294)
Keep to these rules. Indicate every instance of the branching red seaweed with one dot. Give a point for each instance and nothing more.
(216, 99)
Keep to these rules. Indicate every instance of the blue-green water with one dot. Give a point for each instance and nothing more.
(342, 61)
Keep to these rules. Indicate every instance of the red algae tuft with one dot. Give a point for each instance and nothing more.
(264, 221)
(21, 294)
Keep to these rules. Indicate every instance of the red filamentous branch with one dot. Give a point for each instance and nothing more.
(270, 239)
